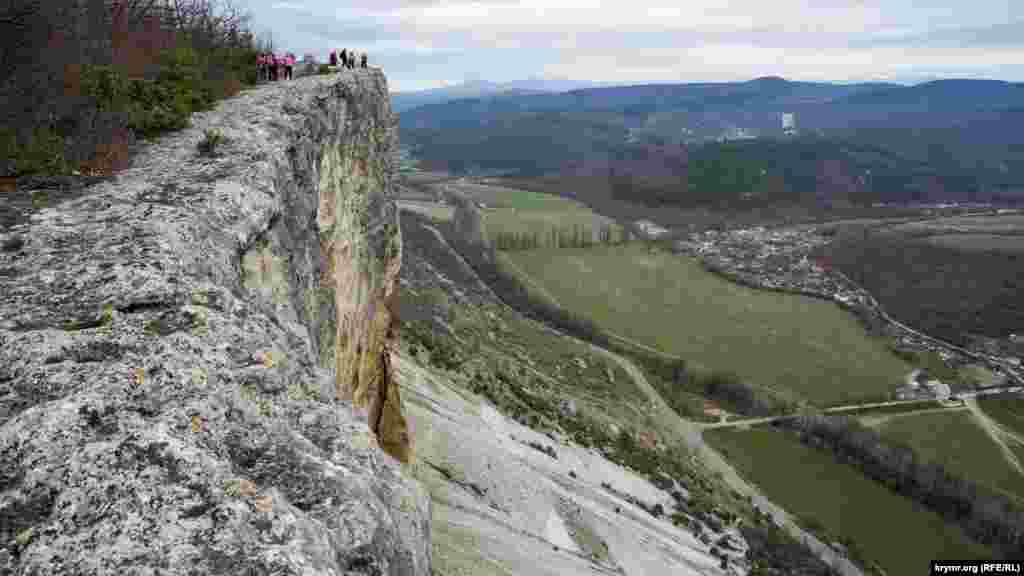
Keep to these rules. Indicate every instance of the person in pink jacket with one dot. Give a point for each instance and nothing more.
(289, 65)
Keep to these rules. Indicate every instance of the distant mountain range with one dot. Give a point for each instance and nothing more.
(947, 139)
(401, 101)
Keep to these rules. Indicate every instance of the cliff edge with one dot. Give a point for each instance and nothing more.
(194, 355)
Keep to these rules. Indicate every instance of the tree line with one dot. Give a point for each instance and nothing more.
(576, 236)
(83, 80)
(989, 517)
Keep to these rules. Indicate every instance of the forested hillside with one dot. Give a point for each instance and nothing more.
(677, 145)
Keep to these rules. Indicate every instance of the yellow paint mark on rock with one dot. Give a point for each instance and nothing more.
(139, 376)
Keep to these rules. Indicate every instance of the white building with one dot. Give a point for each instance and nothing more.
(788, 122)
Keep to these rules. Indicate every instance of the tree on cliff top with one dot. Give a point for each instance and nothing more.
(84, 78)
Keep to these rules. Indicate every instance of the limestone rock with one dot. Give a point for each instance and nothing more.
(166, 337)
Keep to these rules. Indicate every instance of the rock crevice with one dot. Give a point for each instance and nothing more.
(194, 373)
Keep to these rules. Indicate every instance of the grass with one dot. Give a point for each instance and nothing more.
(1006, 409)
(429, 209)
(1009, 412)
(809, 483)
(797, 346)
(958, 444)
(982, 242)
(499, 197)
(516, 211)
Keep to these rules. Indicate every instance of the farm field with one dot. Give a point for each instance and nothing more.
(1004, 224)
(811, 484)
(429, 209)
(979, 242)
(1005, 409)
(953, 440)
(1008, 411)
(799, 347)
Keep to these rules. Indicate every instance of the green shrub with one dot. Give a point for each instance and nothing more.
(323, 69)
(40, 151)
(212, 138)
(106, 85)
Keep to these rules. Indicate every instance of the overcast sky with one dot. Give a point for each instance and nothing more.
(428, 43)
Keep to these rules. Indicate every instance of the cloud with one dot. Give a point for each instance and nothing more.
(420, 41)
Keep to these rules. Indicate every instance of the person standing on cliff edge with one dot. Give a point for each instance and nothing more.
(362, 61)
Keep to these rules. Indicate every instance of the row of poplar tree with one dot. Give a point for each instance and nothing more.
(576, 236)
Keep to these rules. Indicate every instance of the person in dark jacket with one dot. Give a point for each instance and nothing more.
(333, 59)
(363, 60)
(351, 60)
(344, 55)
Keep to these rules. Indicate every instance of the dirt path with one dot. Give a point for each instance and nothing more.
(999, 434)
(881, 419)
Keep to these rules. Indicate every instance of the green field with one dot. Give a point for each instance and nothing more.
(1005, 409)
(508, 210)
(800, 347)
(431, 210)
(886, 527)
(500, 197)
(953, 440)
(982, 242)
(1008, 411)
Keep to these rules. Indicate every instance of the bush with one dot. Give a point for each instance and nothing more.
(40, 151)
(81, 97)
(323, 69)
(208, 145)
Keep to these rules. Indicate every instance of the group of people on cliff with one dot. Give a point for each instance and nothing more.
(272, 67)
(346, 59)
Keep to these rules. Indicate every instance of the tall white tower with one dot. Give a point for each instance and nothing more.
(788, 122)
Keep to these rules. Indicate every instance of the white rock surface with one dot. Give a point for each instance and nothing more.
(509, 508)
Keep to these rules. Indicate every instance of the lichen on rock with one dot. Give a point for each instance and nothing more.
(166, 337)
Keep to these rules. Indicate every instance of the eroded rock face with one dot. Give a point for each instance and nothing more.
(173, 343)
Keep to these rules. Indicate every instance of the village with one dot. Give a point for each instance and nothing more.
(781, 259)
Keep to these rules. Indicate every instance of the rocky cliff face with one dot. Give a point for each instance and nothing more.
(194, 373)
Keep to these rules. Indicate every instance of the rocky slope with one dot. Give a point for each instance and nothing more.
(194, 366)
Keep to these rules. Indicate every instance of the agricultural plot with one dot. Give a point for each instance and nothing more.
(979, 242)
(1008, 411)
(508, 211)
(1005, 409)
(798, 347)
(1005, 224)
(431, 210)
(953, 440)
(846, 505)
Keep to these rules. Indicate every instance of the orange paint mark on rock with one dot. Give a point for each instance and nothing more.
(247, 487)
(264, 504)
